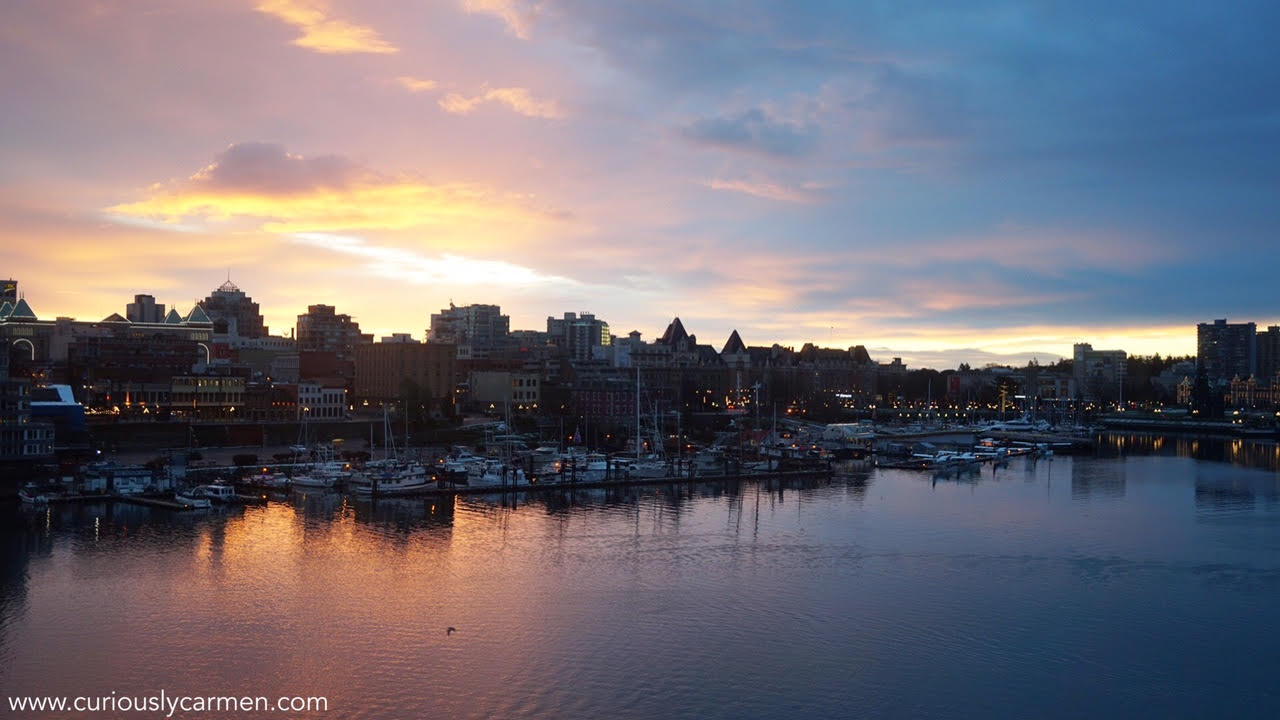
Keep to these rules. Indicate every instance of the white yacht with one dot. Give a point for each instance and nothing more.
(394, 478)
(322, 475)
(213, 493)
(192, 501)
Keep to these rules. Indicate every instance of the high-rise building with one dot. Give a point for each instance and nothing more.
(476, 330)
(1099, 374)
(323, 329)
(234, 313)
(1227, 350)
(1268, 354)
(582, 337)
(144, 309)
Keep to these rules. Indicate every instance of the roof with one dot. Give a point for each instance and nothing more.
(5, 309)
(197, 316)
(734, 345)
(674, 334)
(22, 311)
(114, 317)
(173, 318)
(228, 287)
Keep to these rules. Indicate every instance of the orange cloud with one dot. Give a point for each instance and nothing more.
(413, 84)
(322, 33)
(518, 15)
(518, 99)
(267, 187)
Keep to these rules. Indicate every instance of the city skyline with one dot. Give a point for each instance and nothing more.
(926, 183)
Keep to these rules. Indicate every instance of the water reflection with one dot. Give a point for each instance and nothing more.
(1260, 454)
(1103, 481)
(873, 589)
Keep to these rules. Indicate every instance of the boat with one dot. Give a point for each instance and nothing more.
(393, 478)
(30, 496)
(268, 480)
(192, 501)
(215, 493)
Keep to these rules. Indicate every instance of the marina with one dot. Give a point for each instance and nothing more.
(822, 592)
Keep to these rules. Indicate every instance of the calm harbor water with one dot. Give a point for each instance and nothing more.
(1142, 585)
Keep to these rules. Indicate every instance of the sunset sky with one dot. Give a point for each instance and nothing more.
(942, 181)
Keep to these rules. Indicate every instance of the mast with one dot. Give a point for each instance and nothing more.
(638, 445)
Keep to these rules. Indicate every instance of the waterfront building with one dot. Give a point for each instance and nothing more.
(108, 362)
(501, 389)
(1099, 374)
(21, 439)
(207, 398)
(419, 373)
(271, 402)
(322, 401)
(475, 331)
(233, 312)
(144, 309)
(1226, 350)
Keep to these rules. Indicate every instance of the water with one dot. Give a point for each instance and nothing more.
(1137, 586)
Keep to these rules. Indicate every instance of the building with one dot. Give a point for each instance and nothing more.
(1226, 351)
(323, 329)
(417, 373)
(582, 337)
(1098, 374)
(1268, 353)
(322, 401)
(503, 389)
(208, 398)
(234, 313)
(475, 330)
(9, 292)
(112, 362)
(21, 440)
(144, 309)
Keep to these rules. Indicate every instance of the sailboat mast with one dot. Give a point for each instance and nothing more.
(638, 446)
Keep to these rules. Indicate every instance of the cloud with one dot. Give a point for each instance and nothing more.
(517, 98)
(413, 84)
(755, 131)
(281, 192)
(420, 269)
(518, 15)
(805, 194)
(322, 33)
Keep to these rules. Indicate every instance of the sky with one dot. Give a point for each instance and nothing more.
(945, 182)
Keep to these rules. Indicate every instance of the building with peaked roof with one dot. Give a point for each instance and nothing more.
(108, 361)
(232, 312)
(21, 311)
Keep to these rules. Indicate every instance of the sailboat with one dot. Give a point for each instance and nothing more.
(392, 476)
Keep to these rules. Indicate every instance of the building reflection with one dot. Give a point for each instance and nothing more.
(1259, 454)
(1104, 481)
